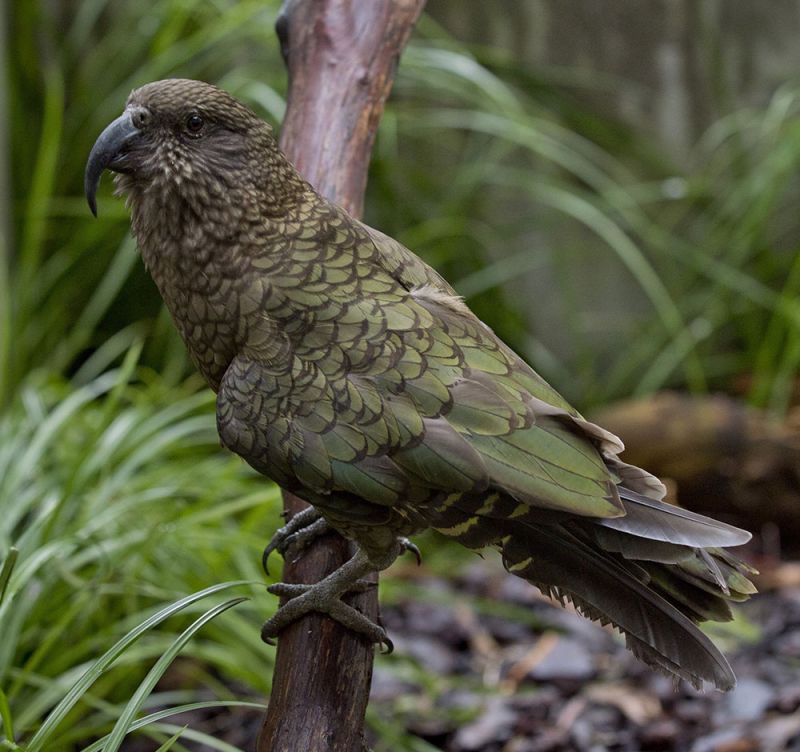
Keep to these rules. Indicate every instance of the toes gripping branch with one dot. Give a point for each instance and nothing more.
(300, 531)
(326, 595)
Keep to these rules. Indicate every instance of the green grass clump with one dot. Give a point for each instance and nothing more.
(120, 504)
(613, 269)
(68, 283)
(653, 274)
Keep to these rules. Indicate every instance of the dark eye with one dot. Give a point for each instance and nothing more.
(194, 124)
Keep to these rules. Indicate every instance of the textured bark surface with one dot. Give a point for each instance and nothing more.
(341, 56)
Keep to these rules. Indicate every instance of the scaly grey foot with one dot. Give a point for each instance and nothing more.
(291, 590)
(326, 597)
(300, 530)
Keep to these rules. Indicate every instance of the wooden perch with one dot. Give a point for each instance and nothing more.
(341, 56)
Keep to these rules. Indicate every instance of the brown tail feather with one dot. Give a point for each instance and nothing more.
(657, 520)
(609, 589)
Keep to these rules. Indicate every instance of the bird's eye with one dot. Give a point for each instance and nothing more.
(194, 124)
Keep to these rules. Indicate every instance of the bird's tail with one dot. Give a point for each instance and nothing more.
(653, 578)
(654, 604)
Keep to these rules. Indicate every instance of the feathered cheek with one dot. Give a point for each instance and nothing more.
(169, 166)
(123, 184)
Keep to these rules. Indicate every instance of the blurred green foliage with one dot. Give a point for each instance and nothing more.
(118, 501)
(112, 486)
(489, 171)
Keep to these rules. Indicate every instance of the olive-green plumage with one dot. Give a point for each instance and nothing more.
(352, 374)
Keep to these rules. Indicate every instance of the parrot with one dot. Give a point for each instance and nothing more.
(354, 376)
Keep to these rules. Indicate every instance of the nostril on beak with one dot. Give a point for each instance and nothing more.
(140, 116)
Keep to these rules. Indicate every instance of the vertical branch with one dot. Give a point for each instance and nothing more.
(341, 56)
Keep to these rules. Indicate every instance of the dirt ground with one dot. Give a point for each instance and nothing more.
(554, 682)
(566, 684)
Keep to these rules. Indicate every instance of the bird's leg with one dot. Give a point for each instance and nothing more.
(326, 597)
(299, 531)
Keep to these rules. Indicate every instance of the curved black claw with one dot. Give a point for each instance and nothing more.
(284, 536)
(387, 646)
(407, 545)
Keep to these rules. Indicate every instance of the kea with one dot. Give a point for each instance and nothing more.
(353, 375)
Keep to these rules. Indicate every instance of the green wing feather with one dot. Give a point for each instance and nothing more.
(394, 376)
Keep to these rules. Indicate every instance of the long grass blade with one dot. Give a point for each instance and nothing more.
(5, 716)
(45, 732)
(5, 573)
(160, 715)
(122, 726)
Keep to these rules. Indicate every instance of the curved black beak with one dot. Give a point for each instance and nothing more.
(111, 145)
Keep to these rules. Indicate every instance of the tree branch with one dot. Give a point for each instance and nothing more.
(341, 56)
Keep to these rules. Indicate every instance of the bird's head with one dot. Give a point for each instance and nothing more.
(182, 138)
